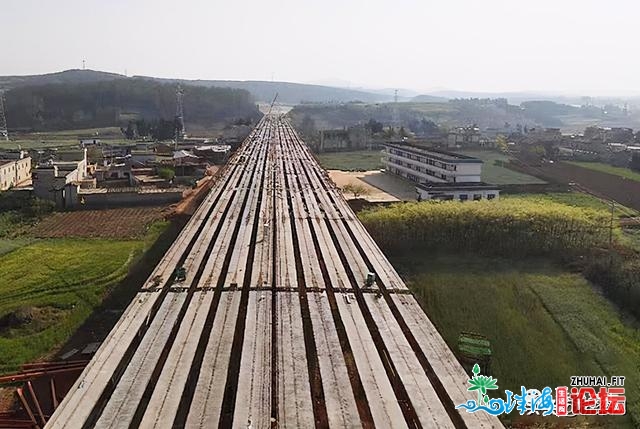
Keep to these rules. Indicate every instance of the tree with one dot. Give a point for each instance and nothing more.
(374, 126)
(501, 143)
(308, 126)
(163, 129)
(98, 104)
(142, 127)
(356, 189)
(130, 131)
(166, 173)
(423, 126)
(389, 133)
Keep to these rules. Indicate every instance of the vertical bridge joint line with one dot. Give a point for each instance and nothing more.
(274, 324)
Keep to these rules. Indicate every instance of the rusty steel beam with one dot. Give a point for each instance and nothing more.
(11, 423)
(54, 397)
(26, 407)
(36, 402)
(62, 363)
(25, 376)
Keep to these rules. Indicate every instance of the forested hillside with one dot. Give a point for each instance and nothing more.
(115, 102)
(67, 76)
(264, 91)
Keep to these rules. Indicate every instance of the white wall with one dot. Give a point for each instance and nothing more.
(425, 195)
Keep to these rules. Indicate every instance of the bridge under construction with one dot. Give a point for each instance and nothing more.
(273, 308)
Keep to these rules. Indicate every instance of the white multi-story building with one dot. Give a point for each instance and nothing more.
(50, 178)
(438, 174)
(14, 172)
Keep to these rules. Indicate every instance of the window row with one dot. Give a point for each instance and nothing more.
(424, 159)
(423, 170)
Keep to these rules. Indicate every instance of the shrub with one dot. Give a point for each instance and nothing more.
(356, 189)
(166, 173)
(620, 281)
(504, 228)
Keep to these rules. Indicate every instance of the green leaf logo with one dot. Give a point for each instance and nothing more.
(481, 383)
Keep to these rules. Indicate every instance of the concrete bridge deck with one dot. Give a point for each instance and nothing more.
(274, 325)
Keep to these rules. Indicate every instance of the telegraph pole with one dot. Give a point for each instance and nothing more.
(613, 204)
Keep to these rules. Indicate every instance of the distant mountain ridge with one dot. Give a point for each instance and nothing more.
(288, 92)
(262, 91)
(67, 76)
(300, 93)
(519, 97)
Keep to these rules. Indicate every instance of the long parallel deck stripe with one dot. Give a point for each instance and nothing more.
(69, 406)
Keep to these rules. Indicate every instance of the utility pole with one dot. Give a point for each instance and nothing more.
(613, 203)
(4, 131)
(364, 133)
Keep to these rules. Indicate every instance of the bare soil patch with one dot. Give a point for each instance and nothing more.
(381, 187)
(112, 223)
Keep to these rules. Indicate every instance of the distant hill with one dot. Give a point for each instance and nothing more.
(114, 102)
(515, 98)
(288, 92)
(425, 98)
(447, 114)
(297, 93)
(262, 91)
(68, 76)
(496, 114)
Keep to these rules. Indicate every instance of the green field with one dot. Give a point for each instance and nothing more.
(57, 283)
(545, 324)
(576, 199)
(9, 245)
(631, 237)
(545, 321)
(361, 160)
(606, 168)
(67, 138)
(496, 174)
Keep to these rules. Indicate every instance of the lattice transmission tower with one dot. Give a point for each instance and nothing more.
(180, 130)
(4, 131)
(395, 120)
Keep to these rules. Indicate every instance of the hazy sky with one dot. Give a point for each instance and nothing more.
(577, 46)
